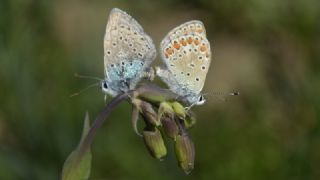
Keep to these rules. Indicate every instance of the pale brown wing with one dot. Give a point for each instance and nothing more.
(187, 55)
(125, 40)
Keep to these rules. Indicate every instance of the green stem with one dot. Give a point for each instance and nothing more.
(100, 119)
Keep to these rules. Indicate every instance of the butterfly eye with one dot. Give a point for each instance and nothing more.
(105, 85)
(201, 100)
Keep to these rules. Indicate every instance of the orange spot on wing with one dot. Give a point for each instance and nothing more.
(169, 51)
(176, 45)
(190, 40)
(203, 48)
(166, 55)
(196, 42)
(199, 30)
(183, 42)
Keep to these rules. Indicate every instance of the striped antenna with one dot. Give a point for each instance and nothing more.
(81, 91)
(87, 77)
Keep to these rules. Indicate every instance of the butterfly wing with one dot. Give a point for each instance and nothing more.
(128, 50)
(187, 56)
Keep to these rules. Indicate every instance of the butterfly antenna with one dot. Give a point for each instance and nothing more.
(81, 91)
(222, 95)
(87, 77)
(225, 94)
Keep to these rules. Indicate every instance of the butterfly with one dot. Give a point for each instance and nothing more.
(186, 53)
(128, 52)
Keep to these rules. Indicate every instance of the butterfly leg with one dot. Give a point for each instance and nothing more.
(148, 74)
(105, 98)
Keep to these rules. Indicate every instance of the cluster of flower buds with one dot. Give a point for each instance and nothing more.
(164, 117)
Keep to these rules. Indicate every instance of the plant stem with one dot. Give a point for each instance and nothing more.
(100, 119)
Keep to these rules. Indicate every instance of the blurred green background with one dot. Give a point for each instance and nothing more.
(267, 50)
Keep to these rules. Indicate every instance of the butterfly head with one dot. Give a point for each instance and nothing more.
(195, 100)
(201, 100)
(105, 87)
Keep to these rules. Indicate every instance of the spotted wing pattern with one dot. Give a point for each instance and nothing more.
(187, 56)
(128, 51)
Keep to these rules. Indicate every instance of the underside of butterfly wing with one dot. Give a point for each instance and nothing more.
(187, 56)
(128, 51)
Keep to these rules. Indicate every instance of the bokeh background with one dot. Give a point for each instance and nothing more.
(267, 50)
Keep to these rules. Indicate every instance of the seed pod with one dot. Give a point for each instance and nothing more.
(190, 120)
(170, 127)
(179, 109)
(148, 113)
(154, 142)
(185, 152)
(165, 109)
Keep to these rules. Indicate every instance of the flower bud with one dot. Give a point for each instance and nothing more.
(179, 109)
(184, 149)
(190, 120)
(148, 113)
(154, 142)
(165, 109)
(170, 127)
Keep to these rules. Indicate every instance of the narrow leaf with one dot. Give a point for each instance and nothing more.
(78, 164)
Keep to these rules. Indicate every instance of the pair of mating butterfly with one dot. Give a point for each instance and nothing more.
(129, 51)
